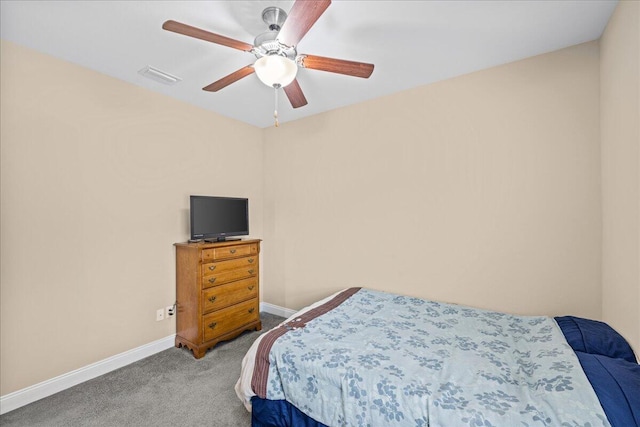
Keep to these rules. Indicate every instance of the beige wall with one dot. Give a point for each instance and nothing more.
(95, 179)
(620, 134)
(480, 190)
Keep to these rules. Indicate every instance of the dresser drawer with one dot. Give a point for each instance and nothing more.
(226, 320)
(229, 276)
(226, 252)
(218, 297)
(222, 266)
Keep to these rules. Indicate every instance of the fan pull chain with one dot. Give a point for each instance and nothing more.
(275, 107)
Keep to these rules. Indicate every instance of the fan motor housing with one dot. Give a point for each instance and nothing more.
(266, 43)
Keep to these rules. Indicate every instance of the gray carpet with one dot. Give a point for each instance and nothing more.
(168, 388)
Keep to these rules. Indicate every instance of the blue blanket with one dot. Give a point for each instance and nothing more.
(384, 359)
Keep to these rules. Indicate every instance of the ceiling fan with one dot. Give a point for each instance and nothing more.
(278, 59)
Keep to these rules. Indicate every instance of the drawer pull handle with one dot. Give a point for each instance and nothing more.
(251, 310)
(251, 287)
(251, 271)
(233, 251)
(212, 267)
(212, 325)
(212, 280)
(213, 298)
(250, 260)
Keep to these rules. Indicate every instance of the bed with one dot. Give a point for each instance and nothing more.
(368, 358)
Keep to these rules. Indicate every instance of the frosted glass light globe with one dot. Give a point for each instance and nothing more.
(275, 70)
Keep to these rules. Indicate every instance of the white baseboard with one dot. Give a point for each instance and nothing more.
(277, 310)
(30, 394)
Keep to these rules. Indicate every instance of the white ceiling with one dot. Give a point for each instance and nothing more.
(411, 43)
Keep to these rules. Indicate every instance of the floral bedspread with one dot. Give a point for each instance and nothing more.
(380, 359)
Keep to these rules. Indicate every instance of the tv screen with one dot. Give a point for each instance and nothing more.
(216, 218)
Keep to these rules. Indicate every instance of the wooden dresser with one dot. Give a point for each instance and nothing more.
(217, 289)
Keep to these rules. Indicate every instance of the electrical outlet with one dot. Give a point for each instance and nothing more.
(169, 311)
(159, 314)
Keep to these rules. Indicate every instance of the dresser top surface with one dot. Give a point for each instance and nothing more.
(207, 245)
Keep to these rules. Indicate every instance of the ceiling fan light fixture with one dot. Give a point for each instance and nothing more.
(275, 70)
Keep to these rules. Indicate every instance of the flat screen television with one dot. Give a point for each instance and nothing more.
(214, 219)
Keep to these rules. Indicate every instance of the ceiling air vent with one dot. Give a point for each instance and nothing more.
(159, 76)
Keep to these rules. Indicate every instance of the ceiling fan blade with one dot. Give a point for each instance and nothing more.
(332, 65)
(301, 18)
(198, 33)
(295, 95)
(231, 78)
